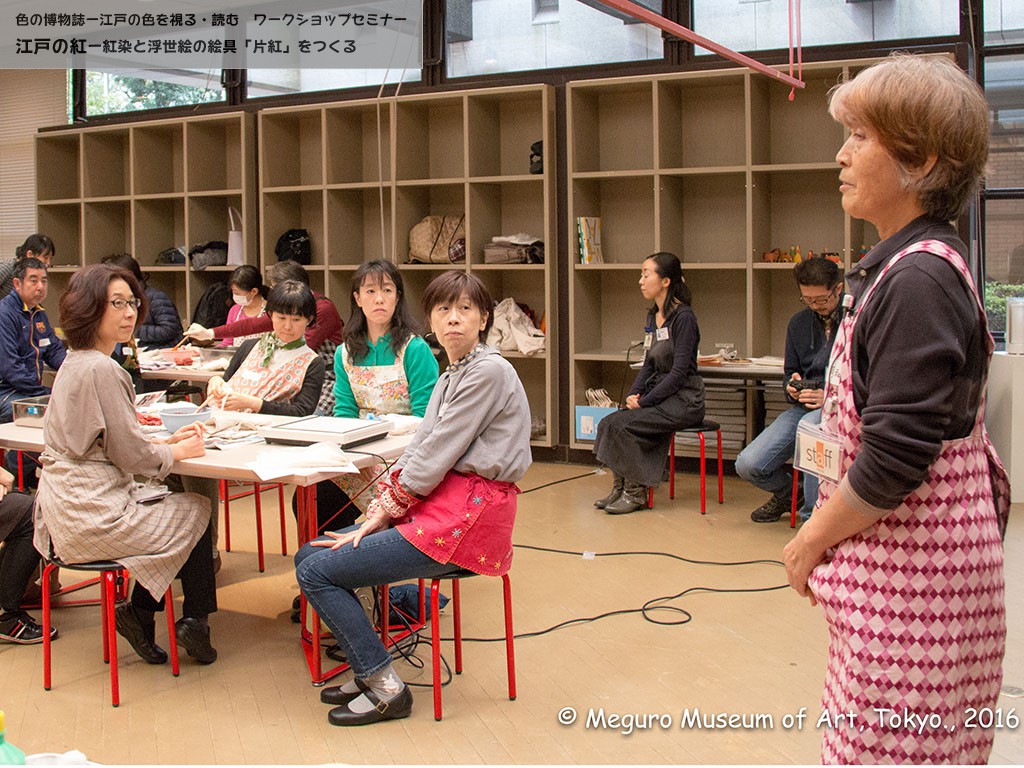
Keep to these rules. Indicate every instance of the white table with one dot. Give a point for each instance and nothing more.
(231, 464)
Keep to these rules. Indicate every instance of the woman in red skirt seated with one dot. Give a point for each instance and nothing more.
(448, 504)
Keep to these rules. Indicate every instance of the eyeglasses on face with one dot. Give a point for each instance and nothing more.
(819, 301)
(122, 304)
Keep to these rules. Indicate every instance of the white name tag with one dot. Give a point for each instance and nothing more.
(251, 375)
(44, 342)
(648, 339)
(388, 375)
(662, 334)
(818, 453)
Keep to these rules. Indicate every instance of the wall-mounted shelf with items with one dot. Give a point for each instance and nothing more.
(142, 188)
(358, 175)
(716, 167)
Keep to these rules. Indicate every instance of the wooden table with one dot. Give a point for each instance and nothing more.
(232, 464)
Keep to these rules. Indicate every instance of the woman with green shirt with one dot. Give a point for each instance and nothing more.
(382, 368)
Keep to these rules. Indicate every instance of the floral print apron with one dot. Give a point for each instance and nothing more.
(914, 602)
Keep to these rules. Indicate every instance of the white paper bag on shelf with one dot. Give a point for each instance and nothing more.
(236, 250)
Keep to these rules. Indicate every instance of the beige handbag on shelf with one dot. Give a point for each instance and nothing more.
(438, 240)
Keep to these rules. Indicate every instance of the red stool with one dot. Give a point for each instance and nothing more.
(706, 426)
(435, 634)
(257, 492)
(796, 490)
(114, 579)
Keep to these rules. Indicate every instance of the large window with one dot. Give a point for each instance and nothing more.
(132, 90)
(277, 82)
(751, 25)
(1004, 205)
(1004, 22)
(491, 36)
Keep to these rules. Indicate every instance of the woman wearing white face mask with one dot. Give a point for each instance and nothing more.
(248, 293)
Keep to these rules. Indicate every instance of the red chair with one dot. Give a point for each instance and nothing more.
(257, 492)
(706, 426)
(435, 635)
(796, 491)
(113, 579)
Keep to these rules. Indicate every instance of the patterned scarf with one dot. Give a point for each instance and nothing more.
(269, 344)
(463, 361)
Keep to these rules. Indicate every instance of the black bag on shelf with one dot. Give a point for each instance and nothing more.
(294, 244)
(537, 157)
(171, 257)
(211, 254)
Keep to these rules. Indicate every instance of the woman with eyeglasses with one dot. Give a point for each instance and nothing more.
(87, 506)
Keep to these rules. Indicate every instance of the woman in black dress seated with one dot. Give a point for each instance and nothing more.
(668, 393)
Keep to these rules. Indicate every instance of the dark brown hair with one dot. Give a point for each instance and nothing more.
(451, 286)
(85, 302)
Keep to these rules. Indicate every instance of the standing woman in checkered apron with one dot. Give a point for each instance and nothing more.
(86, 505)
(904, 550)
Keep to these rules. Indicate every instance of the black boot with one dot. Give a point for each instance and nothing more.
(140, 632)
(618, 482)
(634, 497)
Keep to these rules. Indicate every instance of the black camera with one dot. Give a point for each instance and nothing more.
(799, 384)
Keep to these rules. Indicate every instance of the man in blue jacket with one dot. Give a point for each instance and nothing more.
(808, 345)
(27, 340)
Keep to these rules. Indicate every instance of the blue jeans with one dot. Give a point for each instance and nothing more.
(329, 577)
(763, 461)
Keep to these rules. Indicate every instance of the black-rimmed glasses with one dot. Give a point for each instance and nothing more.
(122, 304)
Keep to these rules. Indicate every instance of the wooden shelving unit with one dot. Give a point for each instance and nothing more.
(358, 175)
(716, 167)
(144, 187)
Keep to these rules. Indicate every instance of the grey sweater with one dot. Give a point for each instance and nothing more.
(477, 421)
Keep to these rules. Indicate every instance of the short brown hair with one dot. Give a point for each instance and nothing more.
(85, 302)
(451, 286)
(923, 106)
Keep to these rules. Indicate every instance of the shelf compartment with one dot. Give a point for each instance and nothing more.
(106, 157)
(533, 375)
(159, 224)
(506, 208)
(775, 300)
(525, 287)
(703, 218)
(627, 209)
(609, 312)
(701, 122)
(63, 224)
(611, 127)
(354, 154)
(354, 226)
(158, 164)
(798, 131)
(413, 202)
(291, 148)
(430, 139)
(502, 127)
(215, 154)
(57, 160)
(293, 210)
(796, 208)
(720, 303)
(207, 219)
(107, 228)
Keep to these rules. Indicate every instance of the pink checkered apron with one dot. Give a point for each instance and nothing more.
(914, 603)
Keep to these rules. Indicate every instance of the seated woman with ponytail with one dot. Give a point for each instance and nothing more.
(668, 393)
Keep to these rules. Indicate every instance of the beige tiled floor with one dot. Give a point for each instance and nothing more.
(744, 652)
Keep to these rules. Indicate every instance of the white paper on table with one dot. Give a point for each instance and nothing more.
(404, 424)
(281, 461)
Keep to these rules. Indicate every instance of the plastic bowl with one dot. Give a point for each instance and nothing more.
(178, 416)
